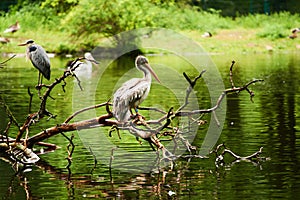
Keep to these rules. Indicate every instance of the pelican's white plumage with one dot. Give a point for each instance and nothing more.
(133, 92)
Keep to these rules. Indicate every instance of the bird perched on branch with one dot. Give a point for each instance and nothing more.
(85, 69)
(13, 28)
(133, 92)
(39, 58)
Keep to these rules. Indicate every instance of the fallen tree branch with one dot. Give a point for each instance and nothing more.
(137, 127)
(220, 154)
(132, 126)
(85, 109)
(31, 118)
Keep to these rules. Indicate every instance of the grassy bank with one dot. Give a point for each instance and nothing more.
(78, 31)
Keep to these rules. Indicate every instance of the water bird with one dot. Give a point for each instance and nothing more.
(294, 33)
(133, 92)
(39, 58)
(85, 69)
(4, 40)
(13, 28)
(206, 34)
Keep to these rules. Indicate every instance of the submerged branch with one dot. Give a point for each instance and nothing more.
(221, 150)
(8, 112)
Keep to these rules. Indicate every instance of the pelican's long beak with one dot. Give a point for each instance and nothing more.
(152, 72)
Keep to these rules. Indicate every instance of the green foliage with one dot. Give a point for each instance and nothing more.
(109, 17)
(32, 17)
(273, 32)
(60, 6)
(273, 26)
(115, 16)
(194, 19)
(76, 25)
(285, 19)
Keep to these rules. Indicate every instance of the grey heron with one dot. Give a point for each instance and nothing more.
(39, 58)
(133, 92)
(13, 28)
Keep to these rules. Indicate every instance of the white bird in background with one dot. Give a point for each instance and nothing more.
(4, 40)
(38, 58)
(206, 34)
(85, 69)
(13, 28)
(133, 92)
(294, 33)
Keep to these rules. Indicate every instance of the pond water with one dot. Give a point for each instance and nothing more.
(271, 121)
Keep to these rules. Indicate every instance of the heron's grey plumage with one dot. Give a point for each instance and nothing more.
(38, 57)
(133, 92)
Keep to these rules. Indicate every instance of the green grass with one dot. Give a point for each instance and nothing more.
(57, 32)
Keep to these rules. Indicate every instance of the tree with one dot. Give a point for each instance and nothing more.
(20, 148)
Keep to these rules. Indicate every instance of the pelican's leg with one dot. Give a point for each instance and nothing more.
(132, 116)
(137, 115)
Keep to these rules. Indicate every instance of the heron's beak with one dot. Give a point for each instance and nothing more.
(92, 60)
(152, 72)
(22, 44)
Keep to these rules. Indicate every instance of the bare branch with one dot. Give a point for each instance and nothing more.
(70, 152)
(231, 74)
(30, 99)
(42, 110)
(190, 88)
(220, 155)
(3, 63)
(8, 112)
(85, 109)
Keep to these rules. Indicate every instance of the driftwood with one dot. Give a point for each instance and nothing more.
(138, 126)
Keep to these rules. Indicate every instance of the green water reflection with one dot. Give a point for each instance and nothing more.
(271, 121)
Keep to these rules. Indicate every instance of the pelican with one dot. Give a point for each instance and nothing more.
(133, 92)
(38, 58)
(85, 69)
(13, 28)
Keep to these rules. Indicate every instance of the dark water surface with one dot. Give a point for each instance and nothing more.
(271, 122)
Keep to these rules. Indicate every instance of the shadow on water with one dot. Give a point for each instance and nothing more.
(271, 121)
